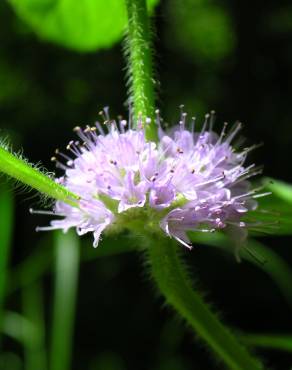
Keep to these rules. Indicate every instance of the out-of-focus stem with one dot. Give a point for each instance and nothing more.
(66, 283)
(173, 282)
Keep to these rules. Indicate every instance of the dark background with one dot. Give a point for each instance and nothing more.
(238, 65)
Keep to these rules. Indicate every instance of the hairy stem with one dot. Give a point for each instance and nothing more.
(166, 267)
(139, 57)
(173, 281)
(22, 171)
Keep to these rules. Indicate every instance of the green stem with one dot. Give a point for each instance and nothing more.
(174, 283)
(22, 171)
(139, 55)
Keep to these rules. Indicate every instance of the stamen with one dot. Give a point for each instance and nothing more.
(65, 156)
(233, 132)
(222, 134)
(43, 212)
(212, 120)
(183, 116)
(122, 124)
(99, 127)
(73, 148)
(106, 113)
(207, 116)
(193, 123)
(46, 228)
(59, 164)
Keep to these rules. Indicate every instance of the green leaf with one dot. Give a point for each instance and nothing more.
(19, 328)
(274, 211)
(280, 189)
(85, 25)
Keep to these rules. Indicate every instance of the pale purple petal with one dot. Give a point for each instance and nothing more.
(195, 181)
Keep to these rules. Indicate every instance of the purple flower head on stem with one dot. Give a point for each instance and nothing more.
(188, 181)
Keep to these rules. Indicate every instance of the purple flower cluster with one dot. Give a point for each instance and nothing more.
(188, 181)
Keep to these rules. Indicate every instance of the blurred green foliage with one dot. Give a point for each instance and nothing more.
(65, 294)
(202, 29)
(274, 215)
(6, 229)
(85, 25)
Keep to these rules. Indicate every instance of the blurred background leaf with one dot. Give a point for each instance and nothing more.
(282, 342)
(202, 29)
(85, 25)
(274, 214)
(281, 189)
(65, 292)
(35, 355)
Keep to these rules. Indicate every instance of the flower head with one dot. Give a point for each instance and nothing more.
(188, 181)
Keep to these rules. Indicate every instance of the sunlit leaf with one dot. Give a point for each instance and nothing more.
(81, 25)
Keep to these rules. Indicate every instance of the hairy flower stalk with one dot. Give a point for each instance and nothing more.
(138, 51)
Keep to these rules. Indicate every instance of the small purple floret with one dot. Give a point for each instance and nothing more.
(191, 181)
